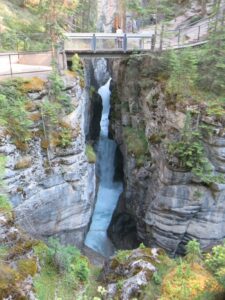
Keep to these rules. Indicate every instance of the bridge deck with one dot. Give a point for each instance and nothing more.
(106, 42)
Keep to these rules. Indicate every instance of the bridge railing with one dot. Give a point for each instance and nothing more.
(165, 39)
(95, 42)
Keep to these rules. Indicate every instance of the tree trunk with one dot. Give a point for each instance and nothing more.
(203, 6)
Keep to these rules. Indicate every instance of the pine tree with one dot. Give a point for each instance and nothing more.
(55, 15)
(183, 73)
(212, 62)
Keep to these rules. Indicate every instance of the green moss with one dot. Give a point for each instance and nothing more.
(137, 144)
(3, 252)
(21, 247)
(5, 205)
(8, 280)
(27, 267)
(122, 256)
(91, 155)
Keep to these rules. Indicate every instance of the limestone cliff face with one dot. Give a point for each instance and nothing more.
(161, 205)
(57, 200)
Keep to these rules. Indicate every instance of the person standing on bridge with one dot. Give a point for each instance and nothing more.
(119, 39)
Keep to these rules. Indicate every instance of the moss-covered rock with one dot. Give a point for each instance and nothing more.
(34, 84)
(128, 272)
(27, 267)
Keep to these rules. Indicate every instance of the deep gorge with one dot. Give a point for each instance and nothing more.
(160, 205)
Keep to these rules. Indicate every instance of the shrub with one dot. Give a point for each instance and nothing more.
(193, 251)
(77, 66)
(63, 270)
(122, 255)
(188, 282)
(215, 261)
(183, 73)
(65, 137)
(57, 92)
(190, 153)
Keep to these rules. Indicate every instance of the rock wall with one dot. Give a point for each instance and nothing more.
(161, 205)
(97, 74)
(56, 201)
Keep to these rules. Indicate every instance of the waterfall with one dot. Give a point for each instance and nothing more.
(109, 190)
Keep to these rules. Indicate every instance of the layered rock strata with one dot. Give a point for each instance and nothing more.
(161, 204)
(53, 191)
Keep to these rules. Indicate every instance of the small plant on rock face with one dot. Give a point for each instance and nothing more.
(57, 92)
(13, 114)
(65, 137)
(137, 144)
(193, 251)
(77, 66)
(142, 246)
(90, 153)
(190, 154)
(5, 205)
(122, 255)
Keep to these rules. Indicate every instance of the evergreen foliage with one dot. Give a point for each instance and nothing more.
(13, 112)
(190, 153)
(212, 63)
(183, 74)
(85, 16)
(63, 269)
(215, 261)
(193, 251)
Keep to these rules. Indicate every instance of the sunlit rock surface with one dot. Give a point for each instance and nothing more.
(54, 194)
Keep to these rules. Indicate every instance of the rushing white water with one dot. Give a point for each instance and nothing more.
(109, 190)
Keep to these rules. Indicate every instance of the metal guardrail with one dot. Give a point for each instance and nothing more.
(165, 39)
(106, 41)
(16, 63)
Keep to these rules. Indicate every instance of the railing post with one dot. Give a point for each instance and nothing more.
(161, 38)
(140, 43)
(179, 36)
(10, 64)
(125, 42)
(199, 31)
(94, 43)
(153, 40)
